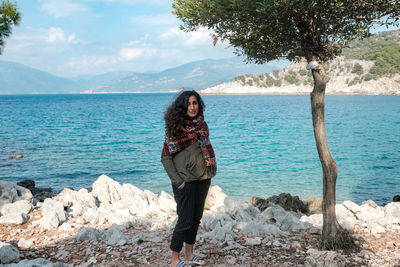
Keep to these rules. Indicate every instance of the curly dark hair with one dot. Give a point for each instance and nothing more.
(175, 114)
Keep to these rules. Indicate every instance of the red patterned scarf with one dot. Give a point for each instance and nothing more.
(193, 131)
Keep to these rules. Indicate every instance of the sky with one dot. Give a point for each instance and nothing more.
(84, 37)
(79, 37)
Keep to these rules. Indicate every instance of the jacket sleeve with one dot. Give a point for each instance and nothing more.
(169, 167)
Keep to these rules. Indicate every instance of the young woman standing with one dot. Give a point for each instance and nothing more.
(189, 161)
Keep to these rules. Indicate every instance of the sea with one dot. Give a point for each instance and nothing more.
(264, 144)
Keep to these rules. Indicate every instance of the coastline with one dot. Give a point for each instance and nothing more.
(114, 225)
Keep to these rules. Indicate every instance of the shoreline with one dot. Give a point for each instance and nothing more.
(118, 225)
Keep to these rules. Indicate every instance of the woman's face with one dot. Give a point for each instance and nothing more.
(193, 106)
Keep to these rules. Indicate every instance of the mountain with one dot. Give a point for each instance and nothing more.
(195, 75)
(16, 78)
(370, 66)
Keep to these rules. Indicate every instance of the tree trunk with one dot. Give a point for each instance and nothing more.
(330, 225)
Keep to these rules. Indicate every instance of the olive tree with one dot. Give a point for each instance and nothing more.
(315, 30)
(9, 16)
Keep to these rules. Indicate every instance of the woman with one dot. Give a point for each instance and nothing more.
(189, 161)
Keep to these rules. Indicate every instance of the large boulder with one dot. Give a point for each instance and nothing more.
(53, 214)
(315, 219)
(167, 203)
(76, 202)
(14, 218)
(215, 197)
(284, 200)
(8, 252)
(10, 193)
(107, 190)
(113, 196)
(392, 210)
(283, 219)
(20, 206)
(345, 217)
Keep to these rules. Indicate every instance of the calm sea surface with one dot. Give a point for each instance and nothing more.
(264, 144)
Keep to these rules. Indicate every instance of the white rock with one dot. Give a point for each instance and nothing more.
(371, 203)
(375, 228)
(8, 252)
(50, 221)
(23, 243)
(312, 251)
(326, 259)
(368, 213)
(347, 223)
(20, 206)
(253, 241)
(276, 243)
(256, 228)
(392, 210)
(283, 219)
(106, 189)
(215, 197)
(16, 218)
(51, 206)
(315, 219)
(167, 203)
(351, 206)
(91, 216)
(76, 202)
(345, 217)
(222, 234)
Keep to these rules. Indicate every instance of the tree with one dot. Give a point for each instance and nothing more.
(316, 30)
(9, 16)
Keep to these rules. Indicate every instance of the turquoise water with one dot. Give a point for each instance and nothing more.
(264, 144)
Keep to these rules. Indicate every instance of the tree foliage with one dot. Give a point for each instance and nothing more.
(267, 30)
(9, 16)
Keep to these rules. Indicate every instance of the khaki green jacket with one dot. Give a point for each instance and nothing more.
(187, 166)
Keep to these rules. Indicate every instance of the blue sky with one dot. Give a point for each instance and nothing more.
(74, 37)
(78, 37)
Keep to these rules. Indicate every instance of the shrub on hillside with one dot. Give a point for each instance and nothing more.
(358, 69)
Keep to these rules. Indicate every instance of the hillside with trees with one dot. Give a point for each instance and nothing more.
(369, 66)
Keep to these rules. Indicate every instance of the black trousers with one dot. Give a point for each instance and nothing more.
(189, 207)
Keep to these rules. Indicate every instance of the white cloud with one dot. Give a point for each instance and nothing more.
(130, 53)
(57, 35)
(200, 37)
(64, 8)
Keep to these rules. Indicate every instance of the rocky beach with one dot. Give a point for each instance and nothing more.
(120, 225)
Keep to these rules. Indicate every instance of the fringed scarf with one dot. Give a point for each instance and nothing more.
(193, 131)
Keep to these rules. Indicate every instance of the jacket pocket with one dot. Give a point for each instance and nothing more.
(196, 165)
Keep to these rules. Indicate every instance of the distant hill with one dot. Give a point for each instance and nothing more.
(19, 79)
(370, 66)
(196, 75)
